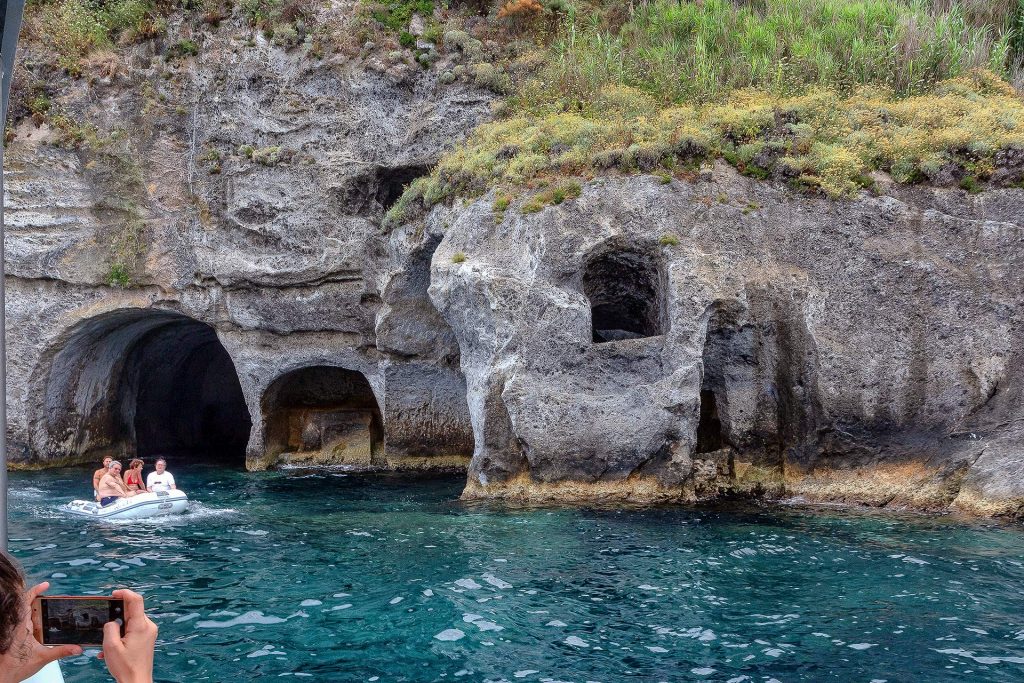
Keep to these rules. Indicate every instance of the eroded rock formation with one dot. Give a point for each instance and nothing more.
(646, 341)
(206, 278)
(671, 342)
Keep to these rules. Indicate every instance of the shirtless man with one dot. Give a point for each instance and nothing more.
(97, 475)
(112, 487)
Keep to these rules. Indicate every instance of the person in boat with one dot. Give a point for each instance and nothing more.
(112, 486)
(133, 477)
(129, 659)
(97, 475)
(161, 479)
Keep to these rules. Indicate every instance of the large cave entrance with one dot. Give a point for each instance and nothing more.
(626, 292)
(323, 415)
(144, 383)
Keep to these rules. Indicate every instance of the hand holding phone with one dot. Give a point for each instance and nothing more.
(74, 619)
(27, 656)
(129, 652)
(118, 623)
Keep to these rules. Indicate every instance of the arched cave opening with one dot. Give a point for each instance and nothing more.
(626, 292)
(323, 415)
(145, 383)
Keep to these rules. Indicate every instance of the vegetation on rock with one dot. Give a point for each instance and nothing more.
(819, 93)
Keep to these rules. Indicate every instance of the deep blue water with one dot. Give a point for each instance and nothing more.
(345, 577)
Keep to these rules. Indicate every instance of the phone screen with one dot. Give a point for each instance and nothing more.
(65, 620)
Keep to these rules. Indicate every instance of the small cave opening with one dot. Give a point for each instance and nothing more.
(626, 292)
(709, 428)
(323, 415)
(392, 181)
(145, 383)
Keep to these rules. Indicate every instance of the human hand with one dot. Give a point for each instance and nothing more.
(27, 655)
(130, 659)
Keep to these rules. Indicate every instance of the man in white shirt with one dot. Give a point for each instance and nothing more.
(161, 479)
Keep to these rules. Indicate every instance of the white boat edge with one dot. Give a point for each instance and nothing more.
(141, 506)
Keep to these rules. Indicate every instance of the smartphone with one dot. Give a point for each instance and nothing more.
(74, 619)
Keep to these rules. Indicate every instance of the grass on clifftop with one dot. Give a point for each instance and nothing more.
(817, 140)
(697, 50)
(816, 92)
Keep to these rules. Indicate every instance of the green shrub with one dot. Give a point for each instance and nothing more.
(73, 29)
(491, 77)
(285, 35)
(395, 14)
(40, 104)
(119, 276)
(668, 240)
(260, 12)
(534, 205)
(458, 257)
(183, 48)
(971, 185)
(267, 156)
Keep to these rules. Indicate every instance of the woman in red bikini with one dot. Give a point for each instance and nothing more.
(133, 477)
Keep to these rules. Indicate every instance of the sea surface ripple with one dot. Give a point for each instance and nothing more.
(339, 576)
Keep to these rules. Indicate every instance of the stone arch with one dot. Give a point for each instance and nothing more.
(626, 287)
(141, 382)
(322, 414)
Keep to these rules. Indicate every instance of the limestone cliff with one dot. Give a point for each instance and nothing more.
(173, 279)
(690, 339)
(210, 278)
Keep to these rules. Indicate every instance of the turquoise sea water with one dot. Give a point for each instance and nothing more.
(345, 577)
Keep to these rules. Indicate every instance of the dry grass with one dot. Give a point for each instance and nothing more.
(819, 140)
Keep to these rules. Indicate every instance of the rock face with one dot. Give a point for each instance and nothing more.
(264, 319)
(674, 341)
(646, 341)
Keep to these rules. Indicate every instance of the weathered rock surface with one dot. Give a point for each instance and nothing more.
(242, 191)
(866, 350)
(644, 342)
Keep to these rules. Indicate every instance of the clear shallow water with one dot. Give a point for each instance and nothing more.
(343, 577)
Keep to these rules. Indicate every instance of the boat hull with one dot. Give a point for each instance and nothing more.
(142, 506)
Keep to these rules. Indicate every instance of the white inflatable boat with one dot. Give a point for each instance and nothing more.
(136, 507)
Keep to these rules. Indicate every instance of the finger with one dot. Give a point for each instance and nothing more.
(134, 605)
(37, 590)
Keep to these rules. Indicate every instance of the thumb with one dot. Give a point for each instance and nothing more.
(112, 636)
(52, 654)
